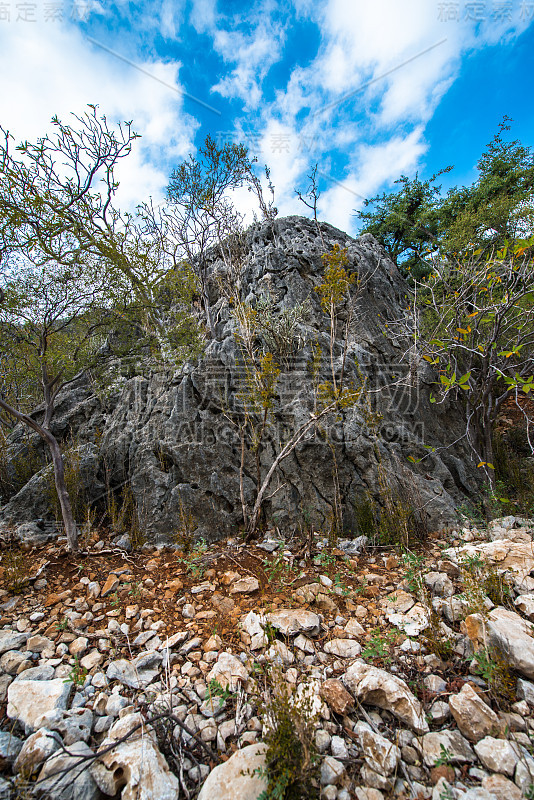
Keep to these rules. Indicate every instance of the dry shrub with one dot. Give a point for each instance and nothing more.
(292, 761)
(15, 572)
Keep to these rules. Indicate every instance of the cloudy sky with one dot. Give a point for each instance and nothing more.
(367, 89)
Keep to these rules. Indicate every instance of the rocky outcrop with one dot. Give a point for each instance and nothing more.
(167, 435)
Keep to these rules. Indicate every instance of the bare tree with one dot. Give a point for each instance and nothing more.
(310, 199)
(58, 204)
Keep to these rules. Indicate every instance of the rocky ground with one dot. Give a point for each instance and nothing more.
(418, 669)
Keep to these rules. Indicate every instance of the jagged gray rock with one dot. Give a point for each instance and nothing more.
(165, 433)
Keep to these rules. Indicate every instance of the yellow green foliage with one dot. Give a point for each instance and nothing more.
(336, 282)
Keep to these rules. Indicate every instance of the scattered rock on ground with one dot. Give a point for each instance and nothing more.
(237, 778)
(379, 688)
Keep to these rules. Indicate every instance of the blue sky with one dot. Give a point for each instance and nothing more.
(368, 90)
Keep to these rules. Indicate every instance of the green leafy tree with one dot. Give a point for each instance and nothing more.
(498, 206)
(416, 221)
(201, 214)
(476, 328)
(406, 222)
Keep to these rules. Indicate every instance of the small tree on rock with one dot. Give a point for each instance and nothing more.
(476, 327)
(49, 319)
(201, 214)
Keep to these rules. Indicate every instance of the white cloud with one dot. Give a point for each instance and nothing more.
(377, 165)
(203, 15)
(398, 59)
(253, 56)
(54, 70)
(250, 49)
(171, 15)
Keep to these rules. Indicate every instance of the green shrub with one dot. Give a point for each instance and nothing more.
(493, 667)
(123, 515)
(514, 472)
(364, 510)
(184, 535)
(481, 580)
(15, 570)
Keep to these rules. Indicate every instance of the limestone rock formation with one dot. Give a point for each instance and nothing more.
(167, 436)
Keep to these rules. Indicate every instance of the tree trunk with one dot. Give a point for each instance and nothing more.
(59, 472)
(286, 450)
(63, 495)
(488, 451)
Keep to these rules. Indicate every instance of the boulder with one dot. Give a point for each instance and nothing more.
(525, 603)
(10, 746)
(434, 745)
(381, 754)
(74, 725)
(413, 622)
(525, 691)
(150, 429)
(337, 697)
(474, 717)
(237, 778)
(315, 594)
(38, 643)
(498, 755)
(368, 793)
(11, 640)
(65, 776)
(135, 766)
(380, 688)
(138, 673)
(29, 700)
(228, 671)
(12, 661)
(439, 584)
(507, 632)
(280, 654)
(291, 621)
(398, 602)
(253, 625)
(524, 772)
(501, 787)
(353, 628)
(35, 750)
(332, 771)
(30, 533)
(503, 554)
(245, 585)
(343, 648)
(44, 672)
